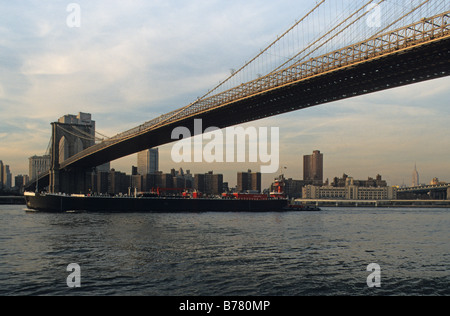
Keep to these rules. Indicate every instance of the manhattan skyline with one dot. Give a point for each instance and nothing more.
(129, 63)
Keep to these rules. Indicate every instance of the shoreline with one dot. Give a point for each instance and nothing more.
(12, 200)
(377, 204)
(20, 200)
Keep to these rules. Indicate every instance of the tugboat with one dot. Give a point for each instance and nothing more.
(278, 192)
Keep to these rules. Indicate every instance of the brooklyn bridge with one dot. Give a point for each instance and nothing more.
(362, 50)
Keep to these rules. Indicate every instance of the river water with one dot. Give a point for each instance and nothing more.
(226, 254)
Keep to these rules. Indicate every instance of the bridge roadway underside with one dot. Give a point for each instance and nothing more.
(426, 62)
(420, 64)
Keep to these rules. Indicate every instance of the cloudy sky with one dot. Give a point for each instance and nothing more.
(130, 61)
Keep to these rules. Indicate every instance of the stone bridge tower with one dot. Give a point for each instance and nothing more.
(70, 135)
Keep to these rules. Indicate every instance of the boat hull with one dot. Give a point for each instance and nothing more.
(62, 203)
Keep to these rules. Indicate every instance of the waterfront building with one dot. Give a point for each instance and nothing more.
(199, 182)
(38, 165)
(249, 181)
(349, 192)
(378, 182)
(181, 179)
(313, 168)
(209, 183)
(436, 181)
(20, 181)
(102, 182)
(148, 161)
(118, 182)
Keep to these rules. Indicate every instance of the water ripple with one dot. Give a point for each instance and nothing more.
(232, 254)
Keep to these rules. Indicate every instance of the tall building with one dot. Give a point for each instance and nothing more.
(199, 182)
(213, 183)
(248, 181)
(20, 181)
(7, 178)
(209, 183)
(118, 182)
(313, 167)
(37, 165)
(148, 161)
(415, 177)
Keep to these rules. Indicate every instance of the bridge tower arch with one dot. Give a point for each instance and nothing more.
(68, 140)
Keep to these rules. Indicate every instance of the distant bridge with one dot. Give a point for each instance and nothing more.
(440, 191)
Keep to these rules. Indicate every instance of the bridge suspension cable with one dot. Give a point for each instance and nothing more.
(327, 33)
(82, 134)
(234, 73)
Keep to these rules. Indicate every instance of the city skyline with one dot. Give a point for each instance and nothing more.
(266, 183)
(128, 63)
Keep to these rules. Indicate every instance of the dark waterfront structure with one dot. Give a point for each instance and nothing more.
(425, 192)
(66, 203)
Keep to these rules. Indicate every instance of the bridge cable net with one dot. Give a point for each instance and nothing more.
(330, 25)
(330, 28)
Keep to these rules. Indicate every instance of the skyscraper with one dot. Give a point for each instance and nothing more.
(5, 177)
(248, 181)
(209, 183)
(148, 161)
(38, 165)
(313, 167)
(415, 177)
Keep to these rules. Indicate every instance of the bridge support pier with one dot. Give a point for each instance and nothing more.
(448, 194)
(75, 181)
(54, 183)
(70, 182)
